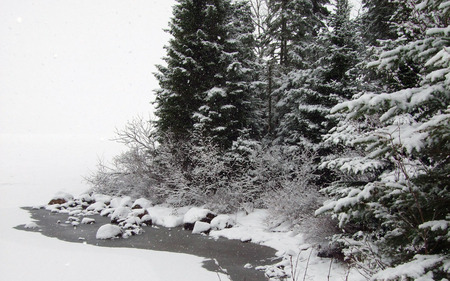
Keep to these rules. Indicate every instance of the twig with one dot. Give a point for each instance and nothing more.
(307, 264)
(329, 270)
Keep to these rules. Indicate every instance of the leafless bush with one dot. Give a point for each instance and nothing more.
(132, 172)
(289, 178)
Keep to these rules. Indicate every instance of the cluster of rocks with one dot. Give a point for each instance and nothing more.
(128, 216)
(200, 220)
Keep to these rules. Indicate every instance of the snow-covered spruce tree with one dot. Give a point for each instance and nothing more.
(291, 22)
(194, 63)
(207, 83)
(377, 20)
(398, 216)
(326, 74)
(230, 106)
(294, 24)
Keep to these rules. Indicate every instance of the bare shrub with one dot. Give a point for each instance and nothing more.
(132, 172)
(288, 176)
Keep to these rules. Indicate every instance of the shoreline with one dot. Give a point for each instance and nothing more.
(228, 256)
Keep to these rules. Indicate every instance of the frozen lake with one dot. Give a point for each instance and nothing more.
(221, 254)
(34, 167)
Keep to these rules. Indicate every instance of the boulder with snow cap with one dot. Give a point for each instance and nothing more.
(87, 221)
(102, 198)
(71, 218)
(61, 198)
(141, 203)
(201, 227)
(109, 231)
(130, 222)
(69, 204)
(31, 225)
(140, 212)
(146, 220)
(120, 214)
(126, 202)
(115, 202)
(96, 207)
(85, 197)
(197, 214)
(107, 212)
(221, 222)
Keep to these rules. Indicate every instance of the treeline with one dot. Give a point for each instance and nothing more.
(295, 106)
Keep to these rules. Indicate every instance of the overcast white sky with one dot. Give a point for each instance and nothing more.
(78, 66)
(71, 71)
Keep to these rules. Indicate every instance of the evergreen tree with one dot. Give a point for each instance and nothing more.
(293, 25)
(328, 75)
(378, 20)
(291, 22)
(194, 63)
(207, 84)
(403, 137)
(229, 107)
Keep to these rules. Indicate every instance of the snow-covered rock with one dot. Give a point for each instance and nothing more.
(147, 220)
(197, 214)
(126, 202)
(171, 221)
(96, 207)
(141, 203)
(69, 204)
(201, 227)
(121, 213)
(102, 198)
(31, 225)
(166, 216)
(85, 197)
(61, 198)
(139, 212)
(54, 208)
(107, 212)
(71, 218)
(76, 212)
(115, 202)
(221, 222)
(108, 231)
(87, 221)
(130, 221)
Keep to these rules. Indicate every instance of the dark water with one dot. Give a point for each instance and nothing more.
(230, 255)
